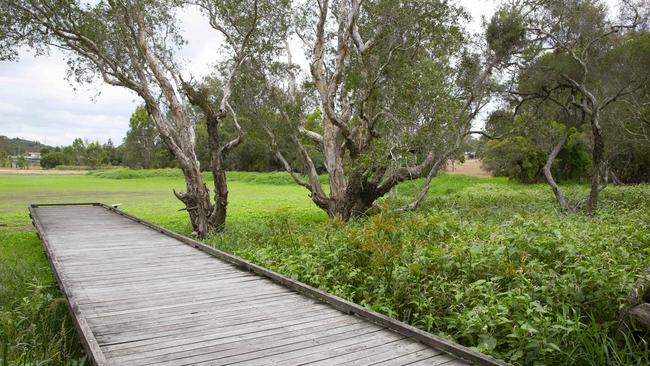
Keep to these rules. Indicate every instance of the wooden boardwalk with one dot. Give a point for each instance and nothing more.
(141, 295)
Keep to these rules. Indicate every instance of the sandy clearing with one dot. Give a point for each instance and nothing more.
(471, 167)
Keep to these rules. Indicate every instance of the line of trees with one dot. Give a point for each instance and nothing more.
(142, 148)
(81, 153)
(391, 92)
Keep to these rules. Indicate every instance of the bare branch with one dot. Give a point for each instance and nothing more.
(240, 133)
(284, 161)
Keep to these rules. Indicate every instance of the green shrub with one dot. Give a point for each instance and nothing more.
(519, 159)
(52, 159)
(515, 158)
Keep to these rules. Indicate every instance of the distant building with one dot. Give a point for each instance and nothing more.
(32, 159)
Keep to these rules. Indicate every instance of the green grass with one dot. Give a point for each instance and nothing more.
(486, 262)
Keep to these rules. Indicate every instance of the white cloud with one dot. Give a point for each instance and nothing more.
(37, 103)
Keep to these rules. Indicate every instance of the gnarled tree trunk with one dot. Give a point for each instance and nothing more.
(357, 198)
(215, 214)
(559, 196)
(197, 200)
(333, 160)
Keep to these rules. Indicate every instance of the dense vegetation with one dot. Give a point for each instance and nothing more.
(486, 262)
(35, 327)
(81, 153)
(577, 105)
(521, 154)
(489, 264)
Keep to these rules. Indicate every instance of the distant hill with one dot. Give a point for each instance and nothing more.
(18, 146)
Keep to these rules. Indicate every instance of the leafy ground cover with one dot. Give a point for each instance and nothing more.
(486, 262)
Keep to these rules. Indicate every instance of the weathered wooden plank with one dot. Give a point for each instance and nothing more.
(138, 315)
(323, 352)
(236, 348)
(303, 327)
(124, 284)
(221, 344)
(188, 321)
(141, 267)
(263, 354)
(200, 298)
(156, 260)
(156, 308)
(424, 357)
(159, 275)
(142, 296)
(172, 267)
(372, 355)
(198, 328)
(227, 334)
(247, 308)
(127, 295)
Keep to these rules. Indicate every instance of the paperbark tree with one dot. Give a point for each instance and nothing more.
(385, 86)
(128, 44)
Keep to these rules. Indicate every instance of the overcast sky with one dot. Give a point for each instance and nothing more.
(37, 103)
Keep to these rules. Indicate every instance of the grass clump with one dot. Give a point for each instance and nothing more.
(35, 326)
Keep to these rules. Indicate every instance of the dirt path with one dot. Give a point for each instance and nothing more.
(471, 167)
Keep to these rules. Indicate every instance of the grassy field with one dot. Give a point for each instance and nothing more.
(486, 262)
